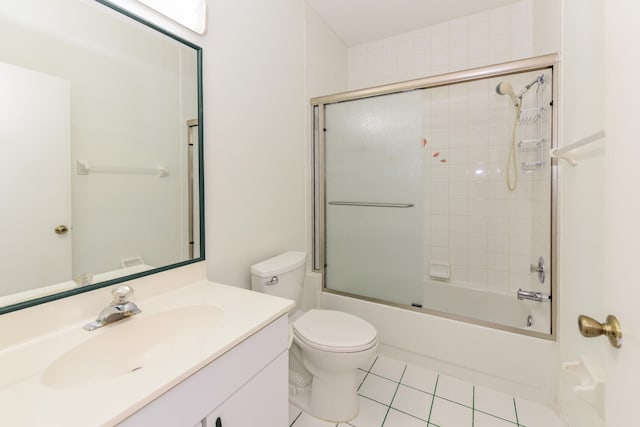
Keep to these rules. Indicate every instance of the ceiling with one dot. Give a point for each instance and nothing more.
(361, 21)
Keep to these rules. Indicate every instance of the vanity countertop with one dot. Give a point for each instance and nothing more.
(28, 396)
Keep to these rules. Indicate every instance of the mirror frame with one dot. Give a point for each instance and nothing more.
(48, 298)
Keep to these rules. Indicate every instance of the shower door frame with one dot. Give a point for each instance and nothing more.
(318, 104)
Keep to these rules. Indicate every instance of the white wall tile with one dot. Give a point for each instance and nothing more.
(458, 240)
(458, 206)
(458, 223)
(458, 32)
(439, 238)
(440, 36)
(390, 49)
(478, 232)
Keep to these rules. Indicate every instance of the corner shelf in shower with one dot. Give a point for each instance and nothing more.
(533, 146)
(529, 116)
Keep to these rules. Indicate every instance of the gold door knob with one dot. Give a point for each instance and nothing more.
(590, 327)
(61, 229)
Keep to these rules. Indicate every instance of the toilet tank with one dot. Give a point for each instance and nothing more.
(281, 276)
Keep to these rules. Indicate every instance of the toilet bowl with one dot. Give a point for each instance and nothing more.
(327, 347)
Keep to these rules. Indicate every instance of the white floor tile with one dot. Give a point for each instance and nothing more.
(449, 414)
(532, 414)
(370, 414)
(411, 406)
(389, 368)
(306, 420)
(368, 364)
(455, 390)
(379, 389)
(361, 375)
(293, 413)
(398, 419)
(412, 402)
(494, 403)
(484, 420)
(420, 378)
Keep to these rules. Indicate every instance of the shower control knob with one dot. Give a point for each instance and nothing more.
(540, 269)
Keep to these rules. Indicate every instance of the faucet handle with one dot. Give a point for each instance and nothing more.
(121, 294)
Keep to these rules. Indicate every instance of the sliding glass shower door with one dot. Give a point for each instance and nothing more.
(440, 194)
(374, 197)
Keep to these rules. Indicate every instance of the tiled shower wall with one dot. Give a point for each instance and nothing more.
(489, 37)
(486, 234)
(472, 222)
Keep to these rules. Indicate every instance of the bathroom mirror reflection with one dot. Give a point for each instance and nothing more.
(99, 149)
(441, 199)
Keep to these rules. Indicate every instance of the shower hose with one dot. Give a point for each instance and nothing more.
(511, 160)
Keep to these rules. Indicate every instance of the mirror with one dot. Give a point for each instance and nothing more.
(100, 149)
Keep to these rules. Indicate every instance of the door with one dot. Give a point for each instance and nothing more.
(622, 209)
(373, 150)
(34, 153)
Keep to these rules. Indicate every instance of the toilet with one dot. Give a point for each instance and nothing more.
(327, 346)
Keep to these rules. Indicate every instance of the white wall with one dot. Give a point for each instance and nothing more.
(326, 63)
(326, 58)
(254, 134)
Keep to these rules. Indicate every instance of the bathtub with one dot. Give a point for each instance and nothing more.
(492, 307)
(520, 365)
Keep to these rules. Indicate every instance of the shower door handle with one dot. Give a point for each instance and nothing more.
(373, 204)
(533, 296)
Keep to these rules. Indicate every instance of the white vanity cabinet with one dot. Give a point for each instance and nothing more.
(247, 386)
(259, 403)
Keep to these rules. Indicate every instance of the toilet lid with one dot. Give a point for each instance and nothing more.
(335, 331)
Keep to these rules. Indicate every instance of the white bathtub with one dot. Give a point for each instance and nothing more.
(502, 309)
(515, 364)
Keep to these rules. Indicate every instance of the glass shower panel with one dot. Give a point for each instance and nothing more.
(373, 192)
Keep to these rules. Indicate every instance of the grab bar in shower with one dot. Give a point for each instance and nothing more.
(373, 204)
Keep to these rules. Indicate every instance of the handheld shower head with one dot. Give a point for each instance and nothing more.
(505, 88)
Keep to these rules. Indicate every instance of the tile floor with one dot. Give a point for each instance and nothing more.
(395, 394)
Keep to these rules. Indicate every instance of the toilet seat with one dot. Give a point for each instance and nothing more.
(334, 331)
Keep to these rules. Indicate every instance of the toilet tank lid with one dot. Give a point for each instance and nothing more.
(279, 264)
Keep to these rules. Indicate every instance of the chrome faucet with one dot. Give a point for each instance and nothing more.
(119, 308)
(533, 296)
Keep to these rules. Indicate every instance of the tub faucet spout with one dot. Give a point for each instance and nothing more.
(533, 296)
(119, 308)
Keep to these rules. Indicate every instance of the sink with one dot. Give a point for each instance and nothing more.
(138, 343)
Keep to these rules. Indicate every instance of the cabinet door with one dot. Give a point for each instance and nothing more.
(263, 401)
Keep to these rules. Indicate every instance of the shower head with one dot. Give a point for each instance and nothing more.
(505, 88)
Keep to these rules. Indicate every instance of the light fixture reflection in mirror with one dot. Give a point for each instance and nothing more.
(98, 110)
(191, 14)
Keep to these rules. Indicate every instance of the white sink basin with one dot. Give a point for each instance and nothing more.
(141, 342)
